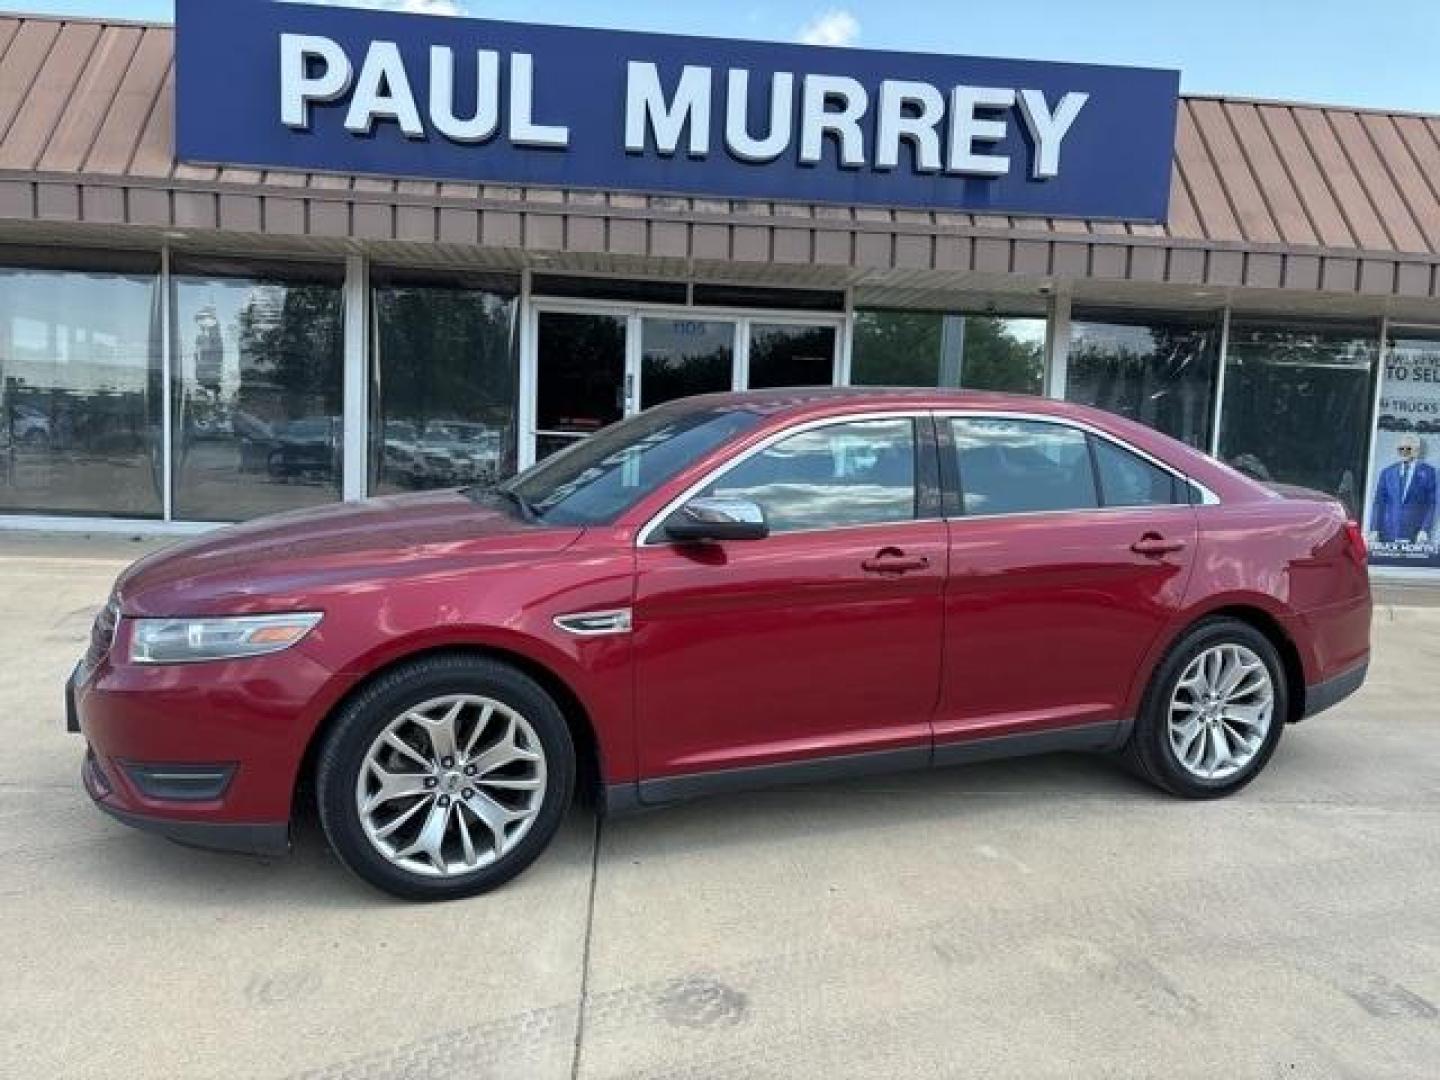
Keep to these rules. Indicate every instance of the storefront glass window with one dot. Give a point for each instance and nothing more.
(444, 392)
(1297, 404)
(924, 348)
(1158, 370)
(80, 387)
(258, 355)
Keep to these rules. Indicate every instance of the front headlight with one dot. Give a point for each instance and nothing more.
(187, 641)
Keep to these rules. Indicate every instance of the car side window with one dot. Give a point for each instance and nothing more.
(1127, 479)
(854, 473)
(1022, 466)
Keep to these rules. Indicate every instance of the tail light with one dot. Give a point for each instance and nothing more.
(1355, 542)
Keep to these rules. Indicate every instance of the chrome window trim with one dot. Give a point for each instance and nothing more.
(646, 534)
(1207, 497)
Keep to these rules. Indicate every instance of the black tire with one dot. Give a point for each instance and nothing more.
(1149, 753)
(366, 715)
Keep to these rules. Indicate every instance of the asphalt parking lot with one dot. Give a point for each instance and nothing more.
(1041, 918)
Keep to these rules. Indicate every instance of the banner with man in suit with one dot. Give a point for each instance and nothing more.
(1401, 516)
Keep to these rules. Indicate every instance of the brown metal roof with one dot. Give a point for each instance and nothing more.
(1265, 194)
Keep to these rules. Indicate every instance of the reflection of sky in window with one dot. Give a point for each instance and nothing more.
(1026, 331)
(1116, 336)
(60, 327)
(849, 474)
(811, 506)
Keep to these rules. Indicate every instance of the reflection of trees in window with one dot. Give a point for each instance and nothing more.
(996, 358)
(896, 348)
(291, 342)
(444, 386)
(926, 348)
(782, 356)
(1297, 405)
(669, 374)
(259, 388)
(1159, 373)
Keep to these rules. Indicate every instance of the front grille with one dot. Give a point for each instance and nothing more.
(102, 634)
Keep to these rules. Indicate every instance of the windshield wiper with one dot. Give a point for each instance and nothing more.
(519, 501)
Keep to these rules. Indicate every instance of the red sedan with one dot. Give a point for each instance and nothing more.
(723, 592)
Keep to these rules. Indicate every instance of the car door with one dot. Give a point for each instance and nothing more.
(821, 640)
(1069, 553)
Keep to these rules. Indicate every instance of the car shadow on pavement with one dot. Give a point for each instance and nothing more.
(922, 798)
(930, 798)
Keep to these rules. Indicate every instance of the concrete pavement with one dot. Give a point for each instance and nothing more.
(1039, 918)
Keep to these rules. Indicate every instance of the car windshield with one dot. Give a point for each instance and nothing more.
(596, 480)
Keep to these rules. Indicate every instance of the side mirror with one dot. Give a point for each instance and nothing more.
(717, 519)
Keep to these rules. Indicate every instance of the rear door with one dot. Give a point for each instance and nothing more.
(1069, 553)
(822, 640)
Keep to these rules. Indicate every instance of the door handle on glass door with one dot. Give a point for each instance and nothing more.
(1155, 544)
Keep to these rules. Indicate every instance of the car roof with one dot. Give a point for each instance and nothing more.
(823, 400)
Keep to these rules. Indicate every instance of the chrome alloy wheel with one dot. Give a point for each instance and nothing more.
(451, 786)
(1221, 711)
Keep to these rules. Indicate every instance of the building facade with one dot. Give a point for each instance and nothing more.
(185, 344)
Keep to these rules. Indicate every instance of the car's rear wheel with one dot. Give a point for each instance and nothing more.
(445, 778)
(1213, 712)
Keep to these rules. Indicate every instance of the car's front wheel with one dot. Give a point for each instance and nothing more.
(1213, 712)
(445, 777)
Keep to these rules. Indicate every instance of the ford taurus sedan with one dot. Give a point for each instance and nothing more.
(723, 592)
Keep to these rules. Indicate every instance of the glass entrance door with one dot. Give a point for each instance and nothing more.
(681, 356)
(588, 366)
(579, 376)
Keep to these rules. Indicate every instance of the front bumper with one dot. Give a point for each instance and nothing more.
(206, 754)
(263, 840)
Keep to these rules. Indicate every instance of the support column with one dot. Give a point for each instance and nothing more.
(1057, 346)
(357, 379)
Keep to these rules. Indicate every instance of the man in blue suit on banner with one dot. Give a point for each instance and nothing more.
(1404, 510)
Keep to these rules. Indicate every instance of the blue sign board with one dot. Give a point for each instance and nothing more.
(315, 88)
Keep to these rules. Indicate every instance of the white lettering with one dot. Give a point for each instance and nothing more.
(896, 123)
(1048, 129)
(645, 105)
(382, 92)
(523, 129)
(966, 129)
(817, 119)
(298, 87)
(737, 109)
(483, 124)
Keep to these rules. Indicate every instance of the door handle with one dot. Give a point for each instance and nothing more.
(1155, 544)
(894, 561)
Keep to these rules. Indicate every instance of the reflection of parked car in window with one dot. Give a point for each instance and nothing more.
(457, 452)
(29, 426)
(307, 446)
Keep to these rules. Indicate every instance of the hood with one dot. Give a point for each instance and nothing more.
(279, 563)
